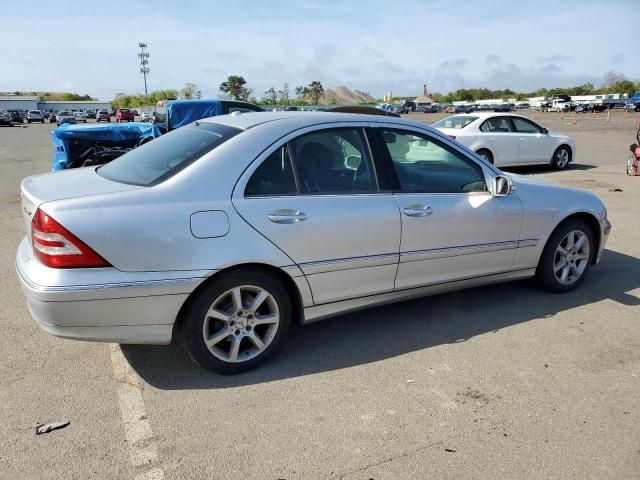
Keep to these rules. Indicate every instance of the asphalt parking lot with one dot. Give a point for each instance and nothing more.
(498, 382)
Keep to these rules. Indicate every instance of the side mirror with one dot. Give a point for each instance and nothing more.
(545, 131)
(502, 186)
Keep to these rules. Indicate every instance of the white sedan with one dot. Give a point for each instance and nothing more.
(509, 140)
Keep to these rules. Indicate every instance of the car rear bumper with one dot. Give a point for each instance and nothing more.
(105, 304)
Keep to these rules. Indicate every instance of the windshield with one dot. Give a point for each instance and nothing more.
(455, 121)
(34, 111)
(154, 162)
(64, 113)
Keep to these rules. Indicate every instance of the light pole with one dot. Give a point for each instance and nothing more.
(144, 62)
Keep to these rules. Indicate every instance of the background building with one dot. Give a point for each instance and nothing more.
(24, 102)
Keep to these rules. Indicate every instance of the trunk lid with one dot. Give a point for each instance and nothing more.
(79, 182)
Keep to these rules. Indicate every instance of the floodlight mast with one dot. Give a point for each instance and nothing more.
(144, 62)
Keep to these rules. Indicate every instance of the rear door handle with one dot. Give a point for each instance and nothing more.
(287, 216)
(417, 211)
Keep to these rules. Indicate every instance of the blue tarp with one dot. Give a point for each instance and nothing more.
(109, 133)
(183, 112)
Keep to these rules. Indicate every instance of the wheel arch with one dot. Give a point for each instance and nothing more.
(297, 307)
(568, 146)
(593, 222)
(487, 149)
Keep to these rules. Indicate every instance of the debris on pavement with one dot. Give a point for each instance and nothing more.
(411, 381)
(451, 450)
(48, 427)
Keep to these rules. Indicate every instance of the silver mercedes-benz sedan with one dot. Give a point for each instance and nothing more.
(223, 232)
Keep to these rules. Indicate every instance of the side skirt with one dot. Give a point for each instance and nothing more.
(319, 312)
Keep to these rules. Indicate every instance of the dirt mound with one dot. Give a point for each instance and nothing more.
(345, 96)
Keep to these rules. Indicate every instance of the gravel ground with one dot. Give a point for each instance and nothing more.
(496, 382)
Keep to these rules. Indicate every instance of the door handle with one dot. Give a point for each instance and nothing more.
(287, 216)
(417, 211)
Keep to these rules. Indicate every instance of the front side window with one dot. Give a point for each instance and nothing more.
(273, 177)
(334, 160)
(165, 156)
(496, 125)
(525, 126)
(424, 164)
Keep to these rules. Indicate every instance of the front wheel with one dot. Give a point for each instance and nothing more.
(561, 158)
(567, 257)
(237, 322)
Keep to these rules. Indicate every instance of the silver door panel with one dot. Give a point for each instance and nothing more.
(357, 282)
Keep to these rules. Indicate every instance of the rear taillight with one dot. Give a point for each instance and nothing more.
(57, 247)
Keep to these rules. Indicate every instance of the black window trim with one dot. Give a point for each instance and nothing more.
(358, 127)
(387, 161)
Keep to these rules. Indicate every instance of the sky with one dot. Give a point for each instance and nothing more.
(91, 47)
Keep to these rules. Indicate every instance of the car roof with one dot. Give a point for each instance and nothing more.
(249, 120)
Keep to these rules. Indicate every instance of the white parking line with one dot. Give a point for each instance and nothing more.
(142, 447)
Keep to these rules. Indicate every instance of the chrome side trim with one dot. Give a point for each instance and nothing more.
(172, 282)
(335, 264)
(418, 255)
(529, 242)
(319, 312)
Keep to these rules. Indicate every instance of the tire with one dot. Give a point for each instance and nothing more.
(553, 263)
(486, 154)
(561, 158)
(223, 330)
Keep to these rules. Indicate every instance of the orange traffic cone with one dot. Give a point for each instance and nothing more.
(561, 113)
(626, 114)
(593, 113)
(573, 119)
(608, 115)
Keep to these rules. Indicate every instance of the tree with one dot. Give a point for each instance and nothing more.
(190, 91)
(299, 92)
(284, 94)
(314, 91)
(235, 87)
(270, 97)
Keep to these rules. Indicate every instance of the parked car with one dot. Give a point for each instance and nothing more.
(80, 117)
(65, 117)
(15, 115)
(632, 106)
(103, 116)
(584, 108)
(124, 115)
(463, 109)
(265, 219)
(172, 114)
(5, 119)
(35, 116)
(509, 139)
(146, 116)
(91, 114)
(53, 116)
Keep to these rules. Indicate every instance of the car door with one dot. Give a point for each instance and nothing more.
(316, 197)
(453, 228)
(535, 146)
(498, 135)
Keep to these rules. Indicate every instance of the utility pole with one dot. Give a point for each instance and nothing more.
(144, 62)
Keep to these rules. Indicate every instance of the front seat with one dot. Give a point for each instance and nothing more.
(314, 167)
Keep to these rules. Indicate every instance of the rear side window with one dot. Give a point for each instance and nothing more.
(163, 157)
(456, 121)
(496, 125)
(273, 177)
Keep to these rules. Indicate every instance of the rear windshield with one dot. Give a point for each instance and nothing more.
(456, 121)
(163, 157)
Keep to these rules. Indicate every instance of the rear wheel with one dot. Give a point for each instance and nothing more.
(567, 257)
(237, 322)
(561, 158)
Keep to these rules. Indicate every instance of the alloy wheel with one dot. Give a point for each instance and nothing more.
(562, 158)
(241, 324)
(571, 257)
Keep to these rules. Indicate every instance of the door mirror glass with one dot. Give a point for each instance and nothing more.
(545, 130)
(501, 186)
